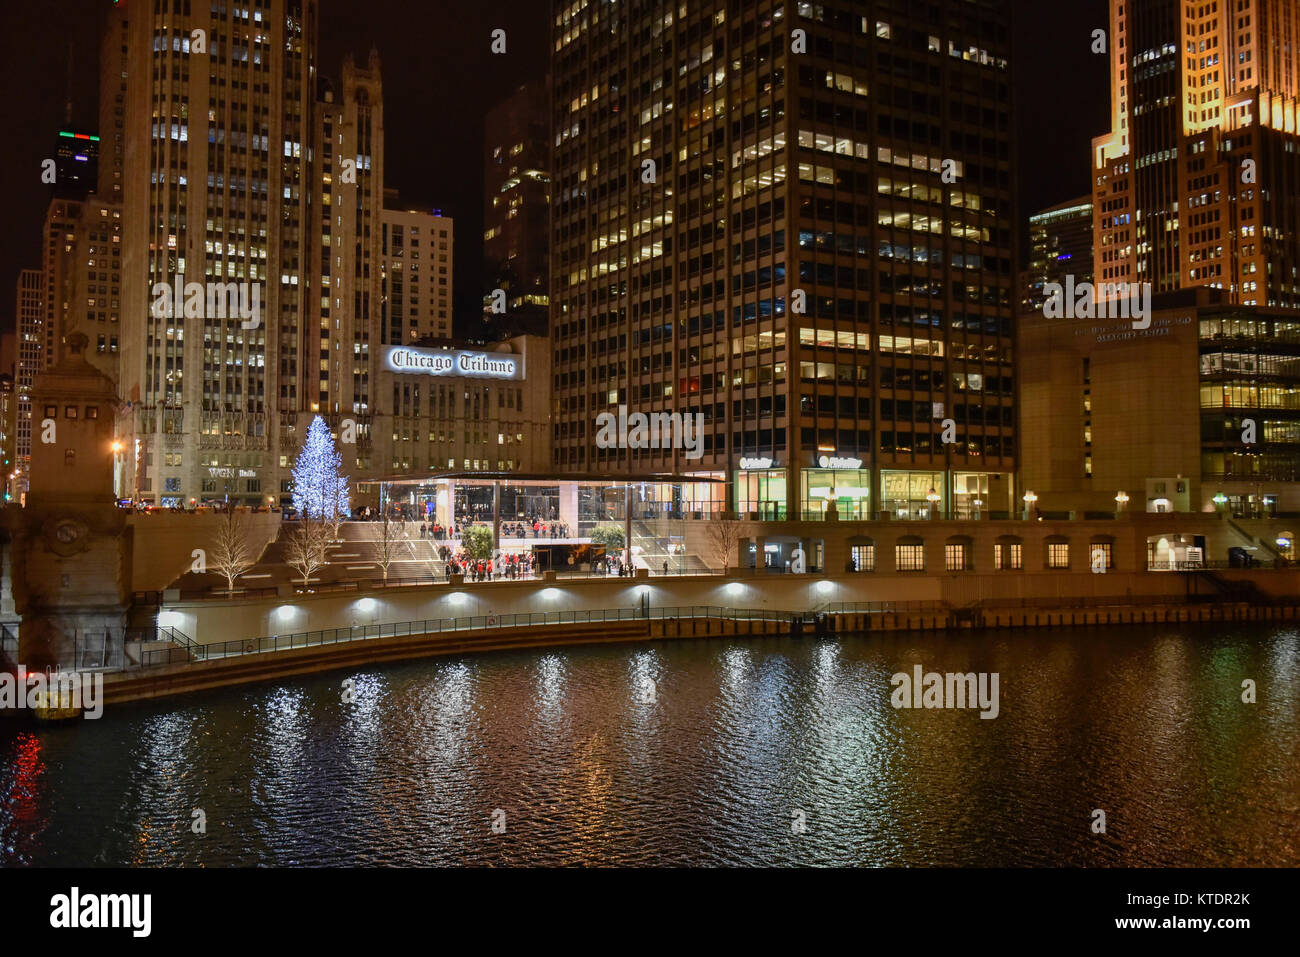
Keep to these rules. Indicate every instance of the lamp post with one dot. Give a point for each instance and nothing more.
(933, 498)
(1029, 499)
(118, 446)
(1121, 500)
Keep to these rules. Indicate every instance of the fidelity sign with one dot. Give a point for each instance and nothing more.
(478, 365)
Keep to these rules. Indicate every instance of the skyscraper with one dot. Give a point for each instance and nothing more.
(1060, 245)
(337, 372)
(76, 163)
(1193, 183)
(516, 210)
(27, 364)
(1189, 408)
(82, 279)
(794, 219)
(217, 177)
(417, 273)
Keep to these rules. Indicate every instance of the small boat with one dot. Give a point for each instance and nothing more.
(55, 706)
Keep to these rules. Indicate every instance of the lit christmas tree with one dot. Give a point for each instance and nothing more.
(320, 490)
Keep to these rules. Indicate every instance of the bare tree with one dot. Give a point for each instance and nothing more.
(387, 544)
(231, 554)
(305, 549)
(335, 496)
(724, 536)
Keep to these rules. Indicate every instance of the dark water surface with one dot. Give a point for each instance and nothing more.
(696, 752)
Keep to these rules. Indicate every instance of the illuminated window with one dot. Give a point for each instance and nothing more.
(909, 558)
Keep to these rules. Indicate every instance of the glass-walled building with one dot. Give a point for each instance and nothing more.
(809, 246)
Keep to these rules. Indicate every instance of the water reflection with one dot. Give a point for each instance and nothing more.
(749, 751)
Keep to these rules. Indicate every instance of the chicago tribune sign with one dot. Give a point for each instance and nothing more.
(476, 365)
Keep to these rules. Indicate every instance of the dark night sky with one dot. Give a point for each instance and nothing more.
(440, 78)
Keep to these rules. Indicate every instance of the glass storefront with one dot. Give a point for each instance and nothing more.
(850, 488)
(904, 493)
(761, 492)
(970, 494)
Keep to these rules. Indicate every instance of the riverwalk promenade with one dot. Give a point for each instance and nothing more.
(220, 643)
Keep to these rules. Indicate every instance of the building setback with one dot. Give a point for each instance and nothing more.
(804, 238)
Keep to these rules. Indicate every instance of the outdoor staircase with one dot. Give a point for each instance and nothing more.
(1244, 591)
(177, 646)
(1259, 542)
(653, 551)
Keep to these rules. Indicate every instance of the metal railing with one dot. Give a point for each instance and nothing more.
(99, 650)
(433, 626)
(1198, 566)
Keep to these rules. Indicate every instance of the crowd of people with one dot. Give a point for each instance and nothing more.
(503, 567)
(535, 529)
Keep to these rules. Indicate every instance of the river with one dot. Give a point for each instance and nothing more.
(764, 751)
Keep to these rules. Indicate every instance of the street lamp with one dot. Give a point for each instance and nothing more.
(117, 446)
(1029, 499)
(1121, 499)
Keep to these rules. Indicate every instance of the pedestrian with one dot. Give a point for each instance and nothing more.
(665, 566)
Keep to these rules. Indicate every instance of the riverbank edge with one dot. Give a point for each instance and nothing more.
(237, 670)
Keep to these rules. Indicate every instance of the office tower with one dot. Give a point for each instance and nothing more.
(81, 280)
(113, 59)
(1192, 185)
(1060, 245)
(449, 406)
(28, 362)
(338, 371)
(8, 436)
(417, 273)
(1191, 407)
(804, 237)
(516, 212)
(217, 176)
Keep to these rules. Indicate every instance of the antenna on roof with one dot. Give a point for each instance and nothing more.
(67, 103)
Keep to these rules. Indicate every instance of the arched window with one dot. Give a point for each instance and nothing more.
(862, 555)
(1101, 553)
(1009, 553)
(956, 553)
(1058, 551)
(909, 554)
